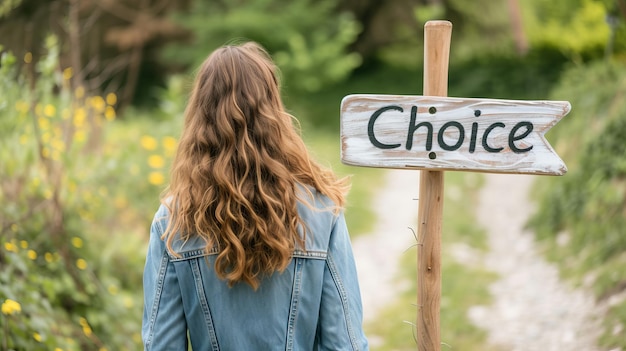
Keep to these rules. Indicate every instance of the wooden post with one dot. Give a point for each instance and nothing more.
(437, 36)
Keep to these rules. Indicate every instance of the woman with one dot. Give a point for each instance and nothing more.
(249, 249)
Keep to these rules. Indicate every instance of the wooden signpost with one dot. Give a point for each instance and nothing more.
(434, 133)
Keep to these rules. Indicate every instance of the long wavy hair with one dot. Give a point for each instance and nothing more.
(239, 165)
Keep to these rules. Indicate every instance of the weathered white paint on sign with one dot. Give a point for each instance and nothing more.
(444, 133)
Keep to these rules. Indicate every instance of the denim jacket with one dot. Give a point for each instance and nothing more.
(314, 304)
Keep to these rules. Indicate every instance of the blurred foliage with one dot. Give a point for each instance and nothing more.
(70, 262)
(578, 28)
(508, 76)
(112, 45)
(582, 216)
(307, 39)
(472, 35)
(7, 6)
(589, 201)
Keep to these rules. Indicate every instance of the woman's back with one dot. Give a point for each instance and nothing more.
(314, 304)
(249, 249)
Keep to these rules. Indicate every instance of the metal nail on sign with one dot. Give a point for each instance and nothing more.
(444, 133)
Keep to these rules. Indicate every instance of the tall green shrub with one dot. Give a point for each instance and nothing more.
(308, 39)
(68, 280)
(582, 216)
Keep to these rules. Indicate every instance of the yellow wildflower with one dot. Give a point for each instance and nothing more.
(68, 73)
(50, 110)
(109, 113)
(48, 257)
(156, 161)
(11, 247)
(24, 244)
(81, 264)
(111, 98)
(10, 307)
(97, 103)
(156, 178)
(77, 242)
(37, 337)
(58, 349)
(148, 142)
(86, 328)
(32, 254)
(79, 117)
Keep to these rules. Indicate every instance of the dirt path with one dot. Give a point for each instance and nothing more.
(532, 309)
(378, 253)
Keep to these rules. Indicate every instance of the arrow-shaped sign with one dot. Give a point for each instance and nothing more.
(443, 133)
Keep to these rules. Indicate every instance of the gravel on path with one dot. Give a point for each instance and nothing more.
(532, 309)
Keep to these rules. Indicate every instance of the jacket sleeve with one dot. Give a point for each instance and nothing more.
(341, 313)
(164, 326)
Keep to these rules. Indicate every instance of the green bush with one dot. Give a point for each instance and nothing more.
(308, 39)
(581, 216)
(588, 201)
(71, 257)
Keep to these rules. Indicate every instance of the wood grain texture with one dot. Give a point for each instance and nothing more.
(392, 128)
(437, 36)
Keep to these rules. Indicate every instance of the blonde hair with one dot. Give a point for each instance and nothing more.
(238, 167)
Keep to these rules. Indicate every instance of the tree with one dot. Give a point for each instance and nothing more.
(308, 39)
(109, 44)
(578, 28)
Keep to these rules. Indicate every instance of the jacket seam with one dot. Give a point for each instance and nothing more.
(188, 255)
(344, 301)
(204, 305)
(295, 299)
(157, 298)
